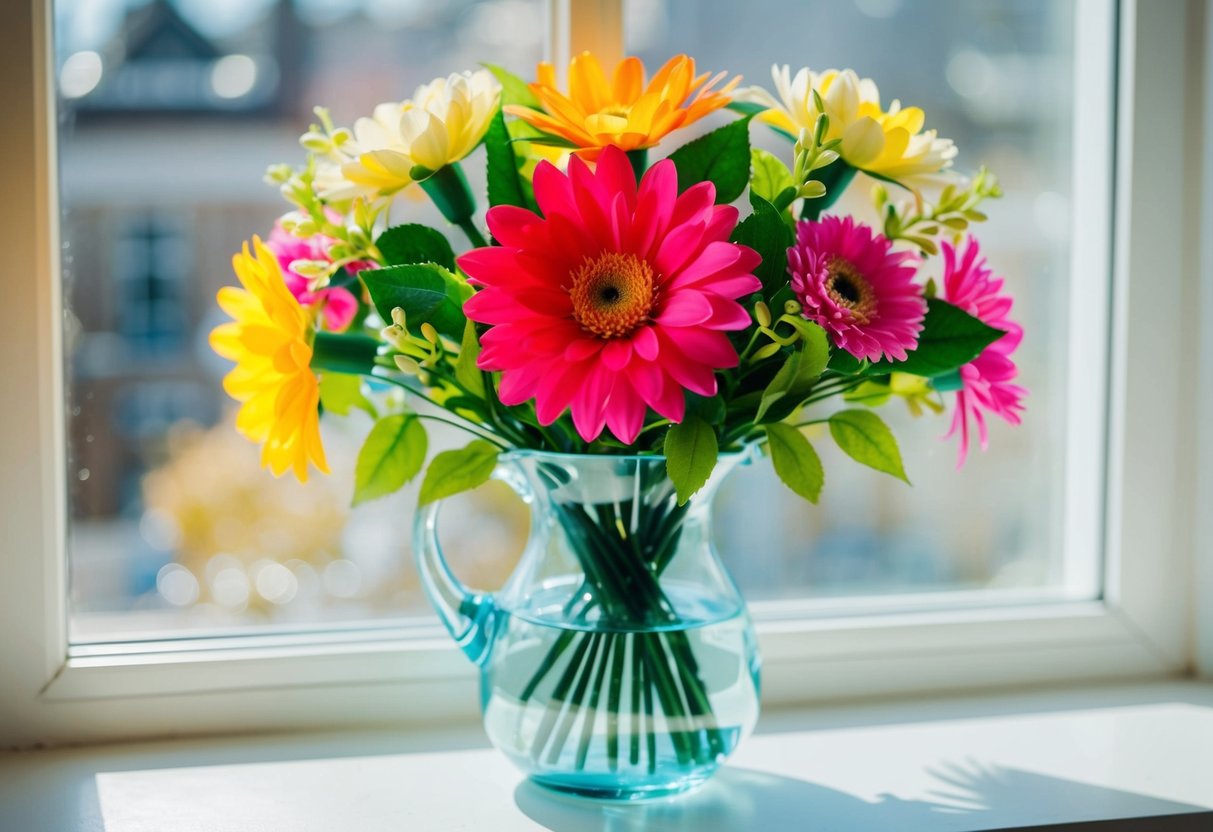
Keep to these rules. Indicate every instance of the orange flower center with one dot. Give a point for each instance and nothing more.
(612, 294)
(848, 288)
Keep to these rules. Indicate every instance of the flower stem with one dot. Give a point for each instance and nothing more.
(485, 435)
(472, 233)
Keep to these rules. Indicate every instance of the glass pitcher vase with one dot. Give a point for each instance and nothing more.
(618, 661)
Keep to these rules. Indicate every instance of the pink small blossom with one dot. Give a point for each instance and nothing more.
(338, 305)
(849, 281)
(987, 381)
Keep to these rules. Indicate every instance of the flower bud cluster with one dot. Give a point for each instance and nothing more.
(918, 222)
(767, 326)
(414, 353)
(812, 153)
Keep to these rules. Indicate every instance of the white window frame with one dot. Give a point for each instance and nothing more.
(1142, 624)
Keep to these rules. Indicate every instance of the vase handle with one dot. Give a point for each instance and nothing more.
(468, 616)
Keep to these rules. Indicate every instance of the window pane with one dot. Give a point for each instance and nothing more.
(170, 113)
(996, 77)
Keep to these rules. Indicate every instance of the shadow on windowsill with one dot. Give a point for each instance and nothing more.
(971, 798)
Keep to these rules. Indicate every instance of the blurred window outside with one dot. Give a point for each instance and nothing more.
(170, 111)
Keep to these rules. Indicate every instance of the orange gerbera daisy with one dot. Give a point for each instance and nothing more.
(622, 112)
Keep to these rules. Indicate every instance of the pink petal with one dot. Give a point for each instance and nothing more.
(614, 176)
(553, 192)
(654, 206)
(581, 348)
(617, 353)
(589, 405)
(556, 390)
(340, 307)
(726, 314)
(685, 308)
(511, 225)
(518, 385)
(625, 412)
(645, 343)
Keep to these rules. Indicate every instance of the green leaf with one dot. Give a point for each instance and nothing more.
(452, 472)
(466, 371)
(545, 140)
(412, 243)
(426, 292)
(950, 338)
(722, 157)
(710, 409)
(513, 89)
(770, 177)
(690, 455)
(869, 394)
(392, 455)
(505, 182)
(795, 461)
(865, 438)
(767, 233)
(794, 381)
(749, 108)
(340, 392)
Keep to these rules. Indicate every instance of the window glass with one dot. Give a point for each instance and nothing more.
(170, 111)
(996, 76)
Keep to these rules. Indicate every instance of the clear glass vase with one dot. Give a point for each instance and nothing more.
(619, 660)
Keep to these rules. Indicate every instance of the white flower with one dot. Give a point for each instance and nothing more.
(888, 143)
(441, 124)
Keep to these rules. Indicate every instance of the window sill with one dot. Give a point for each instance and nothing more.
(1090, 755)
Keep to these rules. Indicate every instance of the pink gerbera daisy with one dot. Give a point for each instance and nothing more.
(615, 300)
(986, 381)
(338, 305)
(850, 281)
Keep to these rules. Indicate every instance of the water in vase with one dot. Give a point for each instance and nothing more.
(610, 712)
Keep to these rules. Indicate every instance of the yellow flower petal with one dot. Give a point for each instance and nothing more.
(902, 152)
(862, 142)
(269, 341)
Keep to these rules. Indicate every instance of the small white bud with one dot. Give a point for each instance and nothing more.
(315, 142)
(408, 365)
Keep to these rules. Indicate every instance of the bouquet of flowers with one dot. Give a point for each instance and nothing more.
(680, 307)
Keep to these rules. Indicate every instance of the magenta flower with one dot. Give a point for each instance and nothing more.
(987, 381)
(613, 301)
(850, 281)
(338, 305)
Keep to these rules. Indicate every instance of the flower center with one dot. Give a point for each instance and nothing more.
(849, 289)
(612, 294)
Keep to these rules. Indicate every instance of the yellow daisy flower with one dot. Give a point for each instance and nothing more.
(623, 112)
(888, 143)
(269, 341)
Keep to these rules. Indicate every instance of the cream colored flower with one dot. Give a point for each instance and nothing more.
(441, 124)
(888, 143)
